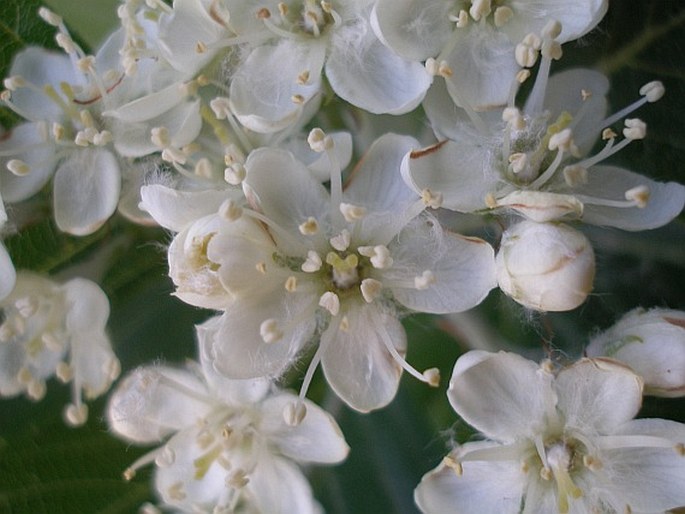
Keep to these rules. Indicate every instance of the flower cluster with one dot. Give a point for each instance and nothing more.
(310, 232)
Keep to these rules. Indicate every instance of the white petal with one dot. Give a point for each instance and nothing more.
(376, 183)
(368, 75)
(576, 18)
(174, 209)
(484, 67)
(279, 487)
(233, 343)
(285, 190)
(7, 274)
(319, 163)
(263, 88)
(86, 191)
(666, 200)
(649, 479)
(155, 401)
(598, 395)
(316, 439)
(39, 156)
(415, 30)
(457, 170)
(356, 362)
(41, 67)
(149, 106)
(463, 267)
(484, 487)
(504, 396)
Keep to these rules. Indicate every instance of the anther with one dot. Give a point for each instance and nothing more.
(76, 415)
(463, 19)
(575, 175)
(585, 94)
(18, 167)
(303, 78)
(518, 162)
(36, 390)
(635, 129)
(261, 267)
(235, 174)
(220, 107)
(294, 413)
(352, 212)
(502, 15)
(269, 331)
(341, 242)
(344, 324)
(58, 131)
(50, 17)
(432, 376)
(64, 372)
(230, 211)
(176, 492)
(592, 463)
(129, 474)
(67, 44)
(14, 83)
(238, 479)
(313, 262)
(203, 168)
(522, 76)
(424, 281)
(551, 30)
(318, 140)
(371, 289)
(160, 137)
(283, 9)
(454, 465)
(297, 99)
(431, 199)
(291, 284)
(513, 118)
(26, 306)
(608, 133)
(562, 140)
(309, 227)
(551, 49)
(330, 302)
(680, 449)
(86, 64)
(480, 8)
(200, 47)
(639, 195)
(653, 91)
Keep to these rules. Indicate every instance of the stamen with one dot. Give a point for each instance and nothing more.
(76, 415)
(313, 262)
(230, 211)
(269, 331)
(331, 302)
(379, 255)
(370, 289)
(352, 213)
(425, 280)
(651, 92)
(390, 346)
(309, 227)
(18, 167)
(502, 15)
(341, 242)
(291, 284)
(235, 174)
(294, 413)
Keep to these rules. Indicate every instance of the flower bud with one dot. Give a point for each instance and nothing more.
(545, 266)
(653, 344)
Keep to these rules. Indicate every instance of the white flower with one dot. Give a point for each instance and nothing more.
(545, 266)
(557, 442)
(652, 343)
(308, 38)
(534, 161)
(302, 262)
(7, 273)
(476, 39)
(227, 445)
(49, 330)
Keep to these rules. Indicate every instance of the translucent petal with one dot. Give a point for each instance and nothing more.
(279, 487)
(7, 274)
(174, 209)
(86, 191)
(356, 362)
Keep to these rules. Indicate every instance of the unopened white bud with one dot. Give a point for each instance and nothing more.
(652, 343)
(545, 266)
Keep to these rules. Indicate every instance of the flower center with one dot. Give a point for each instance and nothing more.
(303, 18)
(344, 271)
(559, 462)
(477, 10)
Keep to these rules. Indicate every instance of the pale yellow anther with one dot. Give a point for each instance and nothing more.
(585, 94)
(635, 129)
(526, 56)
(24, 376)
(444, 70)
(18, 168)
(303, 78)
(76, 415)
(235, 174)
(67, 44)
(269, 331)
(680, 449)
(518, 162)
(86, 118)
(432, 67)
(50, 17)
(331, 302)
(297, 99)
(525, 467)
(551, 49)
(160, 137)
(592, 463)
(371, 289)
(176, 492)
(36, 390)
(309, 227)
(502, 15)
(480, 8)
(220, 106)
(341, 242)
(562, 140)
(129, 474)
(514, 118)
(351, 212)
(545, 473)
(86, 64)
(639, 195)
(431, 199)
(425, 280)
(27, 306)
(230, 211)
(6, 96)
(202, 80)
(203, 168)
(283, 9)
(294, 413)
(379, 255)
(200, 47)
(15, 82)
(462, 19)
(291, 284)
(313, 262)
(522, 76)
(261, 267)
(263, 13)
(432, 377)
(238, 479)
(58, 131)
(318, 140)
(51, 341)
(575, 175)
(490, 201)
(547, 366)
(653, 91)
(608, 133)
(64, 372)
(454, 465)
(326, 7)
(344, 324)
